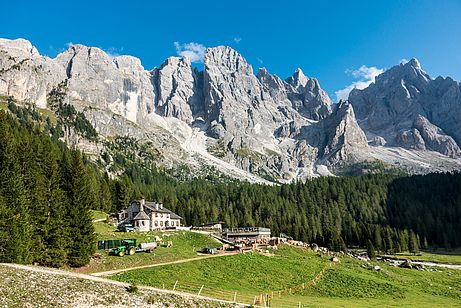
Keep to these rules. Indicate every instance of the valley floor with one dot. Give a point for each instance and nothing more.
(178, 276)
(293, 277)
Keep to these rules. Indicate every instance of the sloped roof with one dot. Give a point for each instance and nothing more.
(151, 206)
(141, 216)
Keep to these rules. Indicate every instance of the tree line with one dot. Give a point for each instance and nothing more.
(48, 189)
(45, 195)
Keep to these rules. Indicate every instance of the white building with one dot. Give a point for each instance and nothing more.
(147, 216)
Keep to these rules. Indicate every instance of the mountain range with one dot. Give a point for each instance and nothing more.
(252, 126)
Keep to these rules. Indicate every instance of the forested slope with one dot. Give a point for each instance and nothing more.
(47, 189)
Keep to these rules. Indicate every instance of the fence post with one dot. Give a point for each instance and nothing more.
(201, 289)
(174, 287)
(235, 297)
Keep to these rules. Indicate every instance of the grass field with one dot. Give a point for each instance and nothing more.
(185, 245)
(99, 215)
(347, 284)
(50, 114)
(247, 274)
(450, 257)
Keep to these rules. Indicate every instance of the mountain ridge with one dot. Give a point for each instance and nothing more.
(227, 117)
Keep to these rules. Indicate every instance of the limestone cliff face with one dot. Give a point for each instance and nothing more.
(406, 107)
(119, 84)
(244, 125)
(177, 89)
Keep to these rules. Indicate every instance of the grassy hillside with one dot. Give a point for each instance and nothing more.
(247, 274)
(350, 283)
(185, 245)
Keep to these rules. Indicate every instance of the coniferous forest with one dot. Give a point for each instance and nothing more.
(48, 189)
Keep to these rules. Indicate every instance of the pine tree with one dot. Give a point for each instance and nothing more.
(371, 250)
(80, 228)
(55, 253)
(14, 218)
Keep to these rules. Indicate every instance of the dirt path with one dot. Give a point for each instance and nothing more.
(108, 281)
(107, 273)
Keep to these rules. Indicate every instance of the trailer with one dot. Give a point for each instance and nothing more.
(146, 247)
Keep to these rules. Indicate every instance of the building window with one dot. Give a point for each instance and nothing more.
(156, 214)
(177, 224)
(142, 223)
(161, 224)
(161, 215)
(156, 223)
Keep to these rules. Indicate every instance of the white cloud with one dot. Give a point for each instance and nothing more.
(403, 61)
(237, 39)
(194, 51)
(113, 51)
(365, 76)
(260, 61)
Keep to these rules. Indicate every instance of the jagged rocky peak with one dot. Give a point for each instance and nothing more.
(408, 108)
(119, 84)
(307, 97)
(177, 89)
(339, 137)
(227, 60)
(298, 79)
(231, 93)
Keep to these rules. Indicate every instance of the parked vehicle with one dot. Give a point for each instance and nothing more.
(127, 247)
(125, 228)
(210, 251)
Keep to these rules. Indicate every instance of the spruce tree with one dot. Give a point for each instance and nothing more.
(81, 238)
(14, 218)
(371, 250)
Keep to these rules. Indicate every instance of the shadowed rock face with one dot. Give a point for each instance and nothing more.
(405, 98)
(259, 123)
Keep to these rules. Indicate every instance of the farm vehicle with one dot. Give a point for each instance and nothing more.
(129, 247)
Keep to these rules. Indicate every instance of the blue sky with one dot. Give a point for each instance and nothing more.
(338, 42)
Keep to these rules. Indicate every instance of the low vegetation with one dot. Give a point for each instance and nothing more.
(185, 246)
(350, 282)
(247, 274)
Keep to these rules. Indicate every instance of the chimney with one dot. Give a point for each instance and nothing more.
(142, 202)
(156, 206)
(161, 206)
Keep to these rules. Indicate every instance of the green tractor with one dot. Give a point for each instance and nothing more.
(127, 247)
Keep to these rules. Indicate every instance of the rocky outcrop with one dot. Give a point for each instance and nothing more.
(339, 137)
(307, 97)
(95, 79)
(435, 138)
(406, 107)
(177, 89)
(411, 139)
